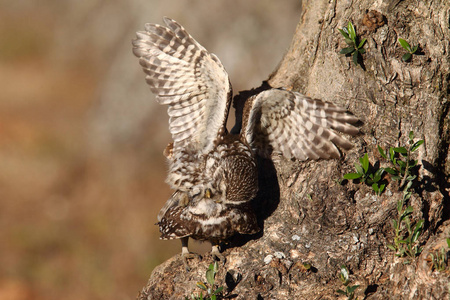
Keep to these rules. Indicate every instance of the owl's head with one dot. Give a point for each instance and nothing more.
(234, 181)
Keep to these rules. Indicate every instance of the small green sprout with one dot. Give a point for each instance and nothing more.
(406, 234)
(211, 291)
(355, 48)
(366, 173)
(349, 291)
(439, 260)
(407, 47)
(402, 168)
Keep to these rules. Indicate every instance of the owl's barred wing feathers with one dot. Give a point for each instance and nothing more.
(297, 126)
(187, 78)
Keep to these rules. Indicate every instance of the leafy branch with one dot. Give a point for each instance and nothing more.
(406, 235)
(368, 174)
(402, 163)
(439, 258)
(355, 48)
(211, 290)
(349, 291)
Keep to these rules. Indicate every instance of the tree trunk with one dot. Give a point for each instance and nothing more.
(314, 218)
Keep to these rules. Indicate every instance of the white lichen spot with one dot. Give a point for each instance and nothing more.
(268, 259)
(294, 254)
(295, 237)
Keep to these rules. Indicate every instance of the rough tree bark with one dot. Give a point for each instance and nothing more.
(316, 220)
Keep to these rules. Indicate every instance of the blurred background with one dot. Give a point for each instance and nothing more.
(81, 137)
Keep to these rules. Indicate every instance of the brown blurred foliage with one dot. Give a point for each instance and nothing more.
(81, 139)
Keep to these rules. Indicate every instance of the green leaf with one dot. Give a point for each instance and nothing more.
(395, 178)
(399, 206)
(375, 188)
(408, 210)
(382, 188)
(401, 163)
(202, 286)
(344, 274)
(347, 50)
(362, 51)
(382, 153)
(412, 163)
(394, 224)
(359, 168)
(414, 49)
(406, 56)
(345, 34)
(352, 289)
(365, 162)
(415, 236)
(390, 171)
(416, 145)
(408, 185)
(210, 274)
(341, 292)
(406, 196)
(362, 43)
(401, 150)
(411, 177)
(351, 31)
(351, 176)
(355, 57)
(418, 228)
(448, 242)
(392, 247)
(213, 297)
(378, 174)
(391, 153)
(218, 290)
(404, 44)
(411, 135)
(210, 277)
(350, 43)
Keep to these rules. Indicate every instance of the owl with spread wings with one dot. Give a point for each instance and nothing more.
(213, 172)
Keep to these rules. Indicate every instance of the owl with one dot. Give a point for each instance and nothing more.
(213, 172)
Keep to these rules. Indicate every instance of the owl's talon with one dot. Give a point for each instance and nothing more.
(215, 253)
(185, 254)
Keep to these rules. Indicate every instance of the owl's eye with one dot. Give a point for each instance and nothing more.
(208, 193)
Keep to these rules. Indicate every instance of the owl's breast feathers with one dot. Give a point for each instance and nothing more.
(229, 173)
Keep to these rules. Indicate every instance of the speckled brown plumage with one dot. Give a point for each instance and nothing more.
(214, 173)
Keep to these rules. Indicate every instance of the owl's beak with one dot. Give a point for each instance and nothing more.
(208, 193)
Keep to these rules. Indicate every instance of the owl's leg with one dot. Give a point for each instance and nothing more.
(216, 253)
(185, 254)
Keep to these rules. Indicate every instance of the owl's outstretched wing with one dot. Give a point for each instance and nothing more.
(187, 78)
(295, 125)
